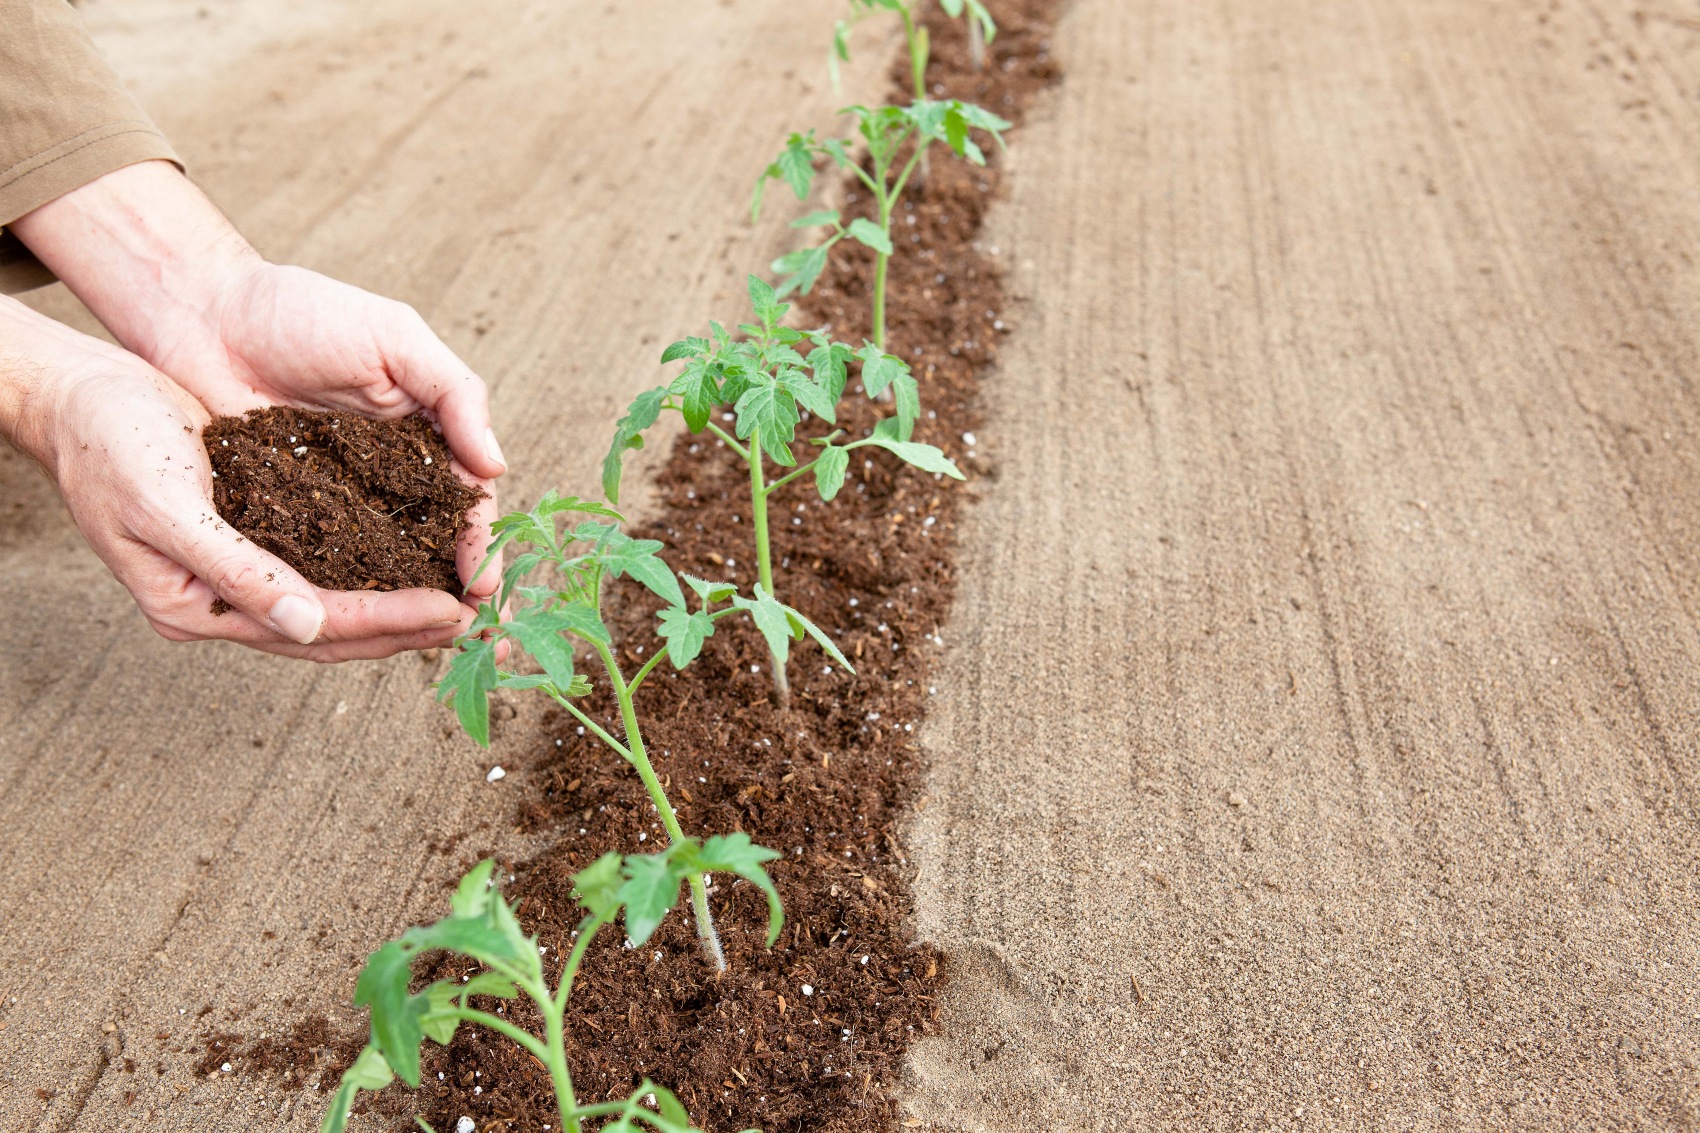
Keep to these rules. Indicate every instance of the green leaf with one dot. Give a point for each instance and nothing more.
(880, 370)
(871, 234)
(512, 575)
(710, 592)
(735, 853)
(801, 269)
(636, 558)
(490, 983)
(672, 1109)
(767, 306)
(773, 410)
(815, 632)
(684, 348)
(440, 1026)
(809, 395)
(396, 1028)
(829, 471)
(539, 629)
(925, 457)
(598, 886)
(649, 893)
(823, 218)
(628, 434)
(684, 633)
(830, 361)
(771, 619)
(699, 390)
(473, 896)
(468, 682)
(796, 164)
(369, 1072)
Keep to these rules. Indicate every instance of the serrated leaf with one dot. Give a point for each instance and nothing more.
(820, 636)
(796, 165)
(622, 555)
(925, 457)
(471, 676)
(439, 1026)
(698, 388)
(830, 362)
(523, 683)
(396, 1028)
(628, 434)
(538, 631)
(684, 632)
(829, 471)
(809, 395)
(771, 619)
(684, 348)
(766, 304)
(598, 886)
(771, 409)
(801, 269)
(710, 591)
(650, 891)
(871, 234)
(512, 575)
(473, 895)
(735, 853)
(824, 217)
(906, 396)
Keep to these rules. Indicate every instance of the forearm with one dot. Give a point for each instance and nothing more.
(146, 251)
(37, 357)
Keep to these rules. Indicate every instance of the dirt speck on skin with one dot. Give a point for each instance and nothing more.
(350, 502)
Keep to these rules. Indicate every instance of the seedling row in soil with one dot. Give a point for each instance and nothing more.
(758, 392)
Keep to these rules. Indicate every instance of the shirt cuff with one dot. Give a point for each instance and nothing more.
(50, 174)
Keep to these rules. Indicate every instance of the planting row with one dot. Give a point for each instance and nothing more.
(770, 396)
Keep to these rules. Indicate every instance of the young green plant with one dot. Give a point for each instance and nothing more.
(481, 927)
(546, 621)
(897, 138)
(762, 385)
(981, 31)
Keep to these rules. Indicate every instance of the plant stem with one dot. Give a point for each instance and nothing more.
(976, 43)
(764, 557)
(556, 1061)
(658, 795)
(883, 262)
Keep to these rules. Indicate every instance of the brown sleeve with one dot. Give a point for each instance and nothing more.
(64, 117)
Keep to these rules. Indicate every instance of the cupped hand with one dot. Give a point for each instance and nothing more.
(286, 335)
(177, 285)
(124, 445)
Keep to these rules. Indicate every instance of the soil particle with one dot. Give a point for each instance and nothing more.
(351, 503)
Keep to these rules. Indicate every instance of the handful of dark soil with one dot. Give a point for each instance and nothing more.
(351, 503)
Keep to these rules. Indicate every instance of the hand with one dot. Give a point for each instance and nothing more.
(123, 444)
(163, 270)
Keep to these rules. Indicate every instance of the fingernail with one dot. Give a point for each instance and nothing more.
(444, 623)
(297, 618)
(494, 450)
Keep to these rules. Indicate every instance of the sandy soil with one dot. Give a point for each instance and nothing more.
(1324, 755)
(1320, 753)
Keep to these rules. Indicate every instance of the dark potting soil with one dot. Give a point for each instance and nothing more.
(809, 1036)
(350, 502)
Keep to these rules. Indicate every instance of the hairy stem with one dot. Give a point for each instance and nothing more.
(565, 1100)
(764, 557)
(976, 43)
(658, 795)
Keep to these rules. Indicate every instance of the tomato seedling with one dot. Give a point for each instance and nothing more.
(897, 138)
(546, 620)
(762, 385)
(981, 31)
(481, 926)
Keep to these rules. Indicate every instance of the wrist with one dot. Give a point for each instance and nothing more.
(146, 251)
